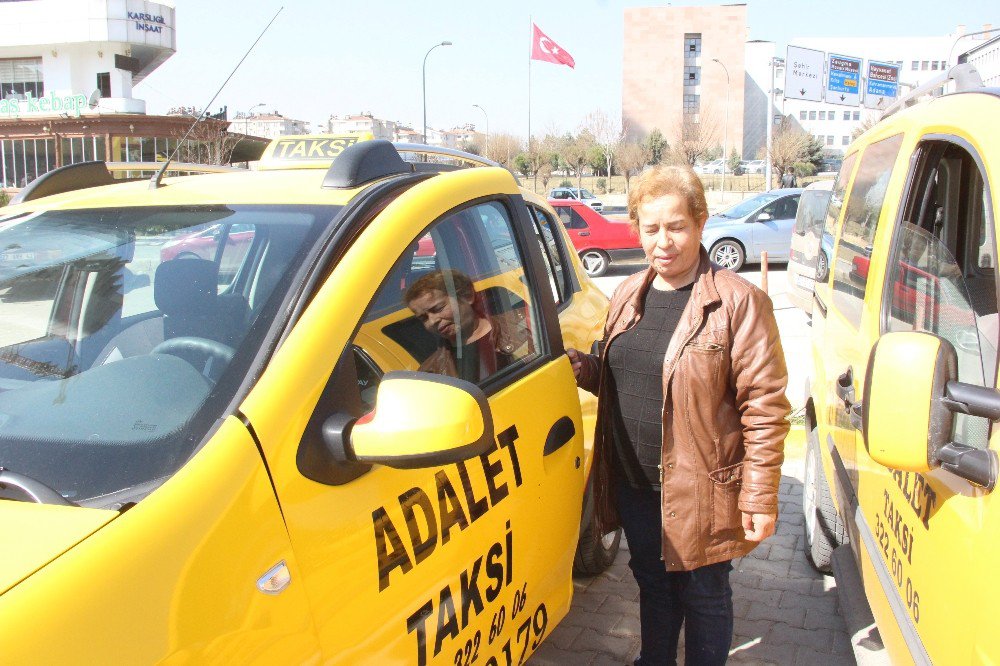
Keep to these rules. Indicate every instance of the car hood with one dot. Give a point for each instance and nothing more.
(36, 534)
(715, 222)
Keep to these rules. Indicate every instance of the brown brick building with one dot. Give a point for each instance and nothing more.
(674, 73)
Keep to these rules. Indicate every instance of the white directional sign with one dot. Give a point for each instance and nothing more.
(804, 74)
(882, 86)
(844, 82)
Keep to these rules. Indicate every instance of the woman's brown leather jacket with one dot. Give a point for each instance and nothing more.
(724, 415)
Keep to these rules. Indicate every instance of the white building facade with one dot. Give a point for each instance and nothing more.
(267, 125)
(985, 56)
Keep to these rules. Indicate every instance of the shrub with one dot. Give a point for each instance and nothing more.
(4, 198)
(565, 182)
(601, 185)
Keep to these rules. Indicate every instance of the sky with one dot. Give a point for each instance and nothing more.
(323, 58)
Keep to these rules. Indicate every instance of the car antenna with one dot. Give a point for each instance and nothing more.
(154, 182)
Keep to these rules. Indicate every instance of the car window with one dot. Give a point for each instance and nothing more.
(837, 194)
(864, 207)
(942, 274)
(782, 209)
(570, 218)
(553, 254)
(466, 313)
(112, 397)
(744, 208)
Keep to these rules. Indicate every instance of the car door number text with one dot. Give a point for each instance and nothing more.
(896, 540)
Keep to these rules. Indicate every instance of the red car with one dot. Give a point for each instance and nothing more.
(204, 244)
(598, 240)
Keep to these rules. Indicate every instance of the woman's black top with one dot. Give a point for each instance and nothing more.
(635, 359)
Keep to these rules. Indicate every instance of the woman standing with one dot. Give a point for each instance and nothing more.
(692, 418)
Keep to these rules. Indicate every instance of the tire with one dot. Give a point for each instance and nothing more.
(595, 551)
(728, 254)
(823, 527)
(595, 262)
(822, 267)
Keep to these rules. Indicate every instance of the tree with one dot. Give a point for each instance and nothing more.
(790, 145)
(608, 135)
(657, 146)
(867, 122)
(734, 161)
(575, 152)
(632, 157)
(209, 142)
(693, 139)
(503, 149)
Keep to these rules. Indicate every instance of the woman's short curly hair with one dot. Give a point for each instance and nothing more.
(657, 181)
(446, 281)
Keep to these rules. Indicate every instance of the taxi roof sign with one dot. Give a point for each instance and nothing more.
(308, 151)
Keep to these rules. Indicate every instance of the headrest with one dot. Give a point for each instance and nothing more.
(186, 287)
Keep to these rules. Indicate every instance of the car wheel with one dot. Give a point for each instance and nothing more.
(187, 255)
(595, 552)
(824, 530)
(595, 262)
(728, 254)
(822, 267)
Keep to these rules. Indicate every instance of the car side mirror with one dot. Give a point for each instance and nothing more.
(764, 217)
(910, 400)
(420, 420)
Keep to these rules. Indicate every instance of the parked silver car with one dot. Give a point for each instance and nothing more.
(741, 232)
(586, 196)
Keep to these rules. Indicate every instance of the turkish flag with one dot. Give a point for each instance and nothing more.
(543, 48)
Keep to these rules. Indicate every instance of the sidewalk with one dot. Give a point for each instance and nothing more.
(786, 612)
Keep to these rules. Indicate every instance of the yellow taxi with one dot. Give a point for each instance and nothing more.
(902, 447)
(222, 435)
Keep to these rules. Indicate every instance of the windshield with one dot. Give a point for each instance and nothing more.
(125, 333)
(744, 208)
(811, 212)
(587, 194)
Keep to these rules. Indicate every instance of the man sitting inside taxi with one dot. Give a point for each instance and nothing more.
(472, 344)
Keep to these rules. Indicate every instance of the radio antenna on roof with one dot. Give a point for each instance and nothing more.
(154, 182)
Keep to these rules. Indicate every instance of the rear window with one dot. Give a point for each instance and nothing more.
(812, 212)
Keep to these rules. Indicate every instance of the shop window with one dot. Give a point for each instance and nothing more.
(20, 77)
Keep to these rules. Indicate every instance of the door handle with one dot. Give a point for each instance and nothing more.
(561, 432)
(845, 387)
(584, 233)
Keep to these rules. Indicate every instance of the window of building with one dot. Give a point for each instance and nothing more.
(20, 77)
(812, 115)
(924, 64)
(692, 76)
(802, 115)
(934, 64)
(845, 140)
(822, 115)
(847, 115)
(915, 65)
(857, 115)
(692, 104)
(104, 84)
(829, 140)
(692, 44)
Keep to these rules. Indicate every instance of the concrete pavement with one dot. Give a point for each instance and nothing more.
(785, 611)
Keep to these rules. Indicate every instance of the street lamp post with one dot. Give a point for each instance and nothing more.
(486, 149)
(445, 43)
(775, 61)
(725, 134)
(246, 118)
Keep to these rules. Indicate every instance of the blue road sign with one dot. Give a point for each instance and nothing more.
(843, 80)
(882, 86)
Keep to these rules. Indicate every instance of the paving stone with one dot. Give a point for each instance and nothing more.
(793, 617)
(765, 654)
(825, 620)
(822, 604)
(627, 626)
(593, 641)
(615, 605)
(807, 656)
(549, 655)
(590, 602)
(754, 596)
(564, 636)
(782, 633)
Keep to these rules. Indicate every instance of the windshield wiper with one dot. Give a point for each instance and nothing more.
(35, 490)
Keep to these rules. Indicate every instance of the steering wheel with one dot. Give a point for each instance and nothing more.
(189, 345)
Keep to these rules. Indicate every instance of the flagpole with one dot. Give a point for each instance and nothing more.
(531, 43)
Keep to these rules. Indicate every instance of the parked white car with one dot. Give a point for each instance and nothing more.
(715, 166)
(586, 196)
